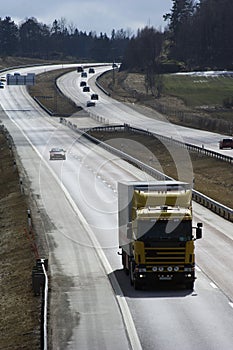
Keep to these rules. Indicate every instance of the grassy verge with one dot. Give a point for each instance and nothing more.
(20, 310)
(46, 92)
(197, 91)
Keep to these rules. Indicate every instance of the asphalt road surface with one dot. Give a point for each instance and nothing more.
(78, 200)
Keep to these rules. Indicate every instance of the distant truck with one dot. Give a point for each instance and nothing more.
(156, 233)
(226, 143)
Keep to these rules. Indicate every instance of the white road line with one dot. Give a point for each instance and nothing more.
(213, 285)
(231, 304)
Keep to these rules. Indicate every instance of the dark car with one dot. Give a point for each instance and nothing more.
(84, 74)
(226, 143)
(57, 153)
(83, 83)
(91, 70)
(79, 69)
(94, 97)
(86, 89)
(90, 103)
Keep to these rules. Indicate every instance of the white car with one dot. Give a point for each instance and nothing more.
(57, 153)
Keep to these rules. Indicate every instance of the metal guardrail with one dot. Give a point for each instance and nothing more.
(188, 146)
(100, 86)
(40, 285)
(200, 150)
(216, 207)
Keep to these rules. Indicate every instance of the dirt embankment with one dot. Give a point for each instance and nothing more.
(20, 309)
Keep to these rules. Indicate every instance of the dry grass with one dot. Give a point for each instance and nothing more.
(46, 92)
(20, 310)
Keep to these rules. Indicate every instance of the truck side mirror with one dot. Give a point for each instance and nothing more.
(199, 230)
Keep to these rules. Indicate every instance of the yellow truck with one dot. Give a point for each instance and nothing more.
(156, 233)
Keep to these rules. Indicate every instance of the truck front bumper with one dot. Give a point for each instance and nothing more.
(157, 278)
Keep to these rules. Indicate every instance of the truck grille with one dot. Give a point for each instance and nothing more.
(163, 256)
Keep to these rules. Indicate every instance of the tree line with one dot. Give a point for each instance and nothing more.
(198, 35)
(59, 41)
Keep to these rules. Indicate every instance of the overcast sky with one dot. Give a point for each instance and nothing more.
(91, 15)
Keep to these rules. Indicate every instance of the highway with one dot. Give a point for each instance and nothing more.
(78, 200)
(113, 111)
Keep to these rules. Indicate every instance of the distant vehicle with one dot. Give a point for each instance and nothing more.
(83, 83)
(114, 65)
(57, 153)
(90, 103)
(84, 74)
(226, 143)
(94, 97)
(79, 69)
(17, 74)
(1, 85)
(91, 70)
(2, 79)
(86, 89)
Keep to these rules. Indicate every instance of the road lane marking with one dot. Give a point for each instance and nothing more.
(213, 285)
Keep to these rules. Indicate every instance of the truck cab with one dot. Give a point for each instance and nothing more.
(156, 233)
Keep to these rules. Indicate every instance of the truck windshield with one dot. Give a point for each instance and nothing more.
(165, 229)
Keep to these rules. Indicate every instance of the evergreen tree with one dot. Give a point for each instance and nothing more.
(8, 37)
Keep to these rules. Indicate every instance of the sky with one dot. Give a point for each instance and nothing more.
(91, 15)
